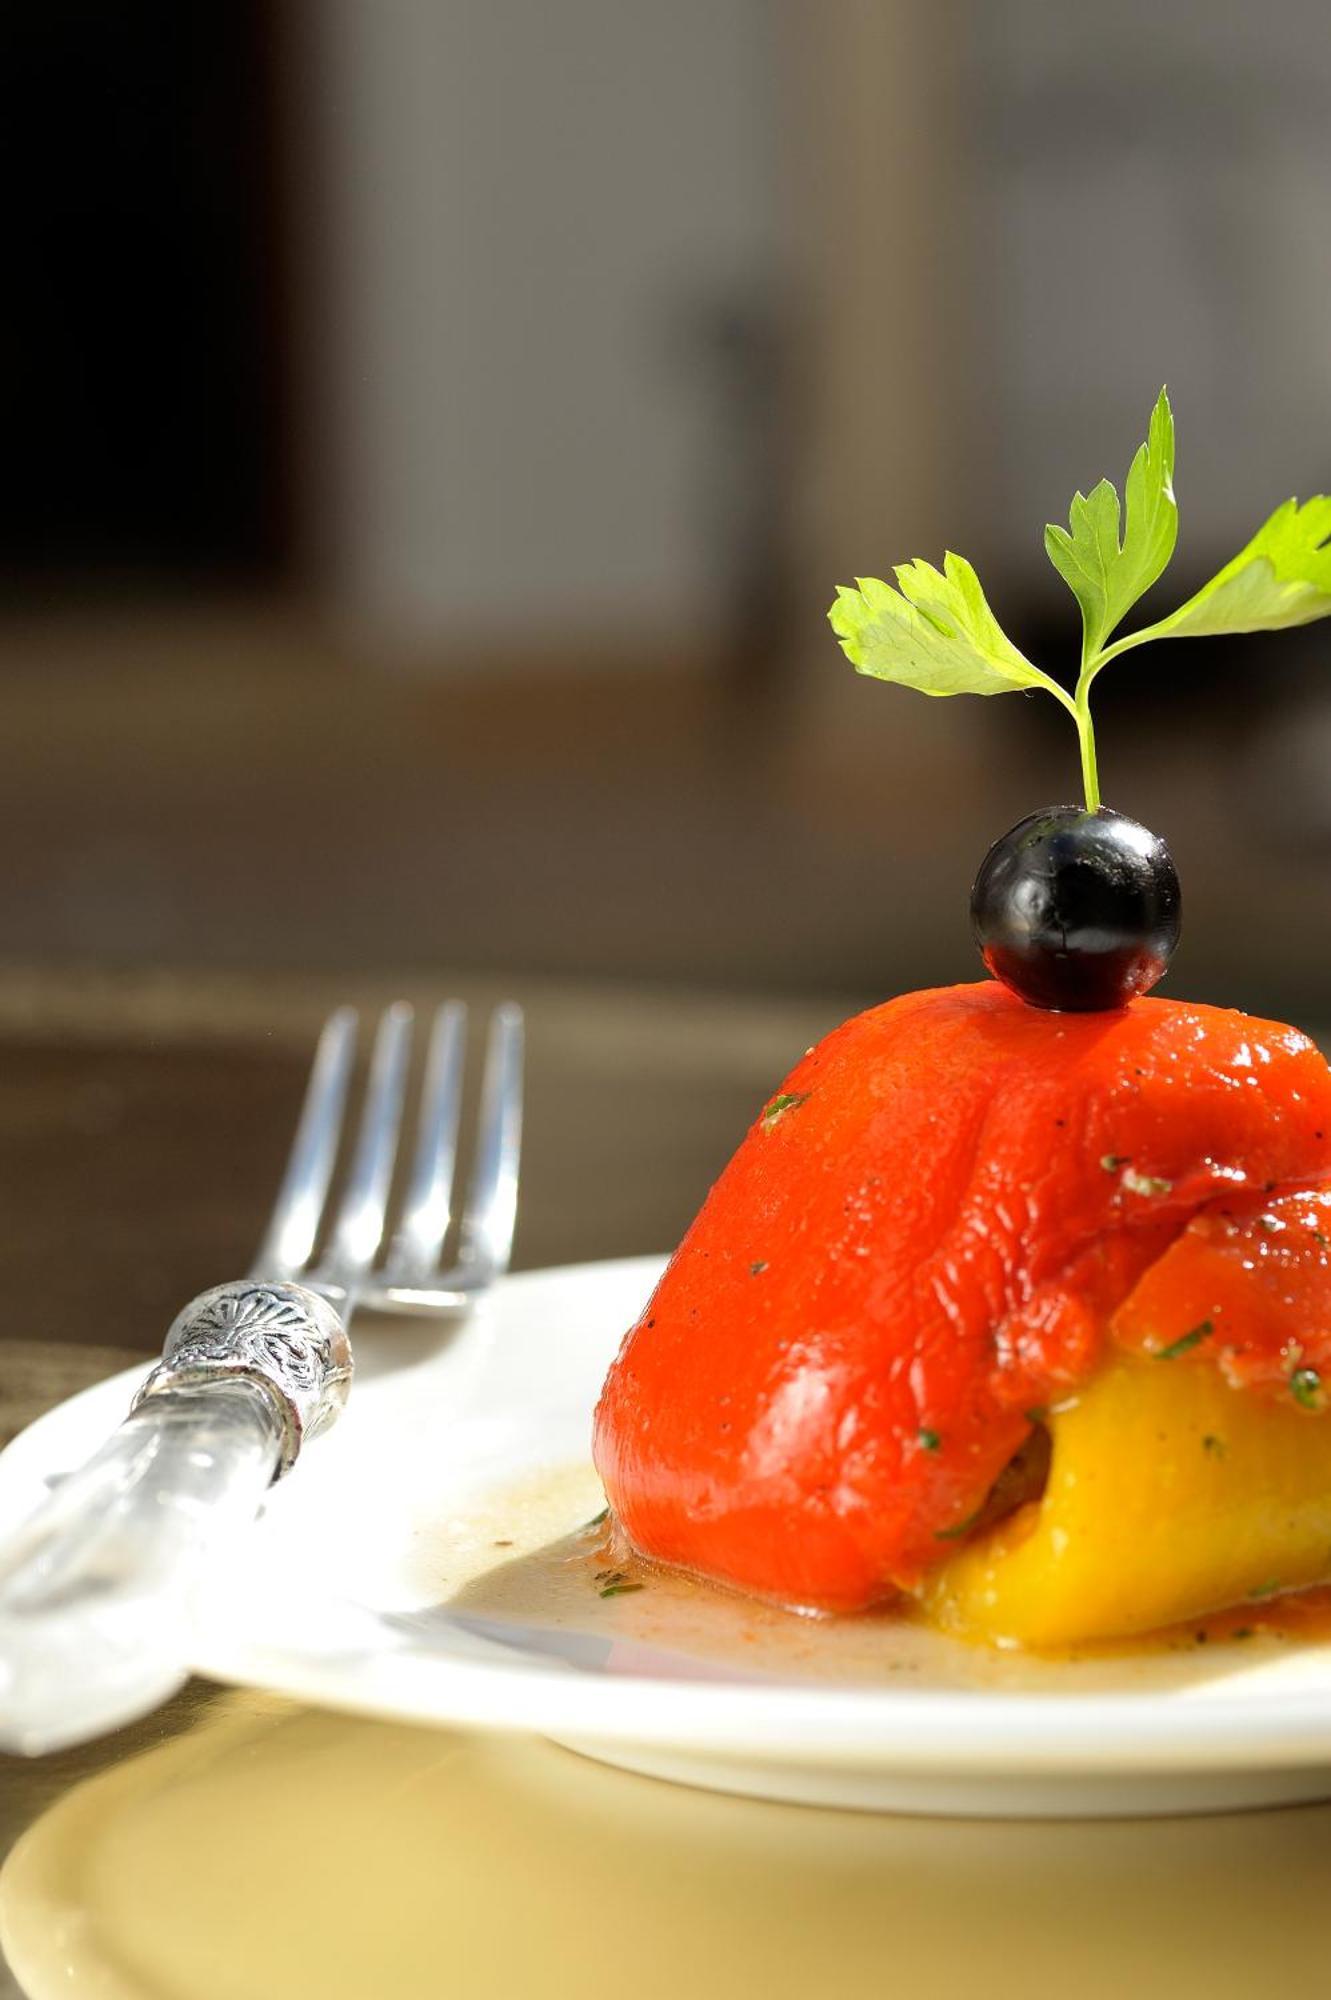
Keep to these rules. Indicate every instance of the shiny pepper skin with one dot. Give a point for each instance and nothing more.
(917, 1247)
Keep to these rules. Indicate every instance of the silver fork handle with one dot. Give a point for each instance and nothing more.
(96, 1588)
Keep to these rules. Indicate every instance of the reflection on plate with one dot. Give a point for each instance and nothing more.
(431, 1561)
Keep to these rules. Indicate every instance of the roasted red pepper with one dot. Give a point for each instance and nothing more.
(919, 1245)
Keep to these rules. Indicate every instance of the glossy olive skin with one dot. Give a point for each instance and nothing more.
(1077, 911)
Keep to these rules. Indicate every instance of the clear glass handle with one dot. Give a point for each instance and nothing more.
(95, 1588)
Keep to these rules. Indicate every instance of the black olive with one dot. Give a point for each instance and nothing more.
(1077, 910)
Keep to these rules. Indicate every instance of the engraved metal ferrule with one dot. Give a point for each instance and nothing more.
(286, 1340)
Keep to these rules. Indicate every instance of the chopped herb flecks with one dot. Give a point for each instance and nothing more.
(1215, 1445)
(614, 1583)
(756, 1269)
(1305, 1385)
(1263, 1590)
(1185, 1341)
(1111, 1162)
(597, 1519)
(776, 1107)
(1036, 1415)
(930, 1440)
(962, 1528)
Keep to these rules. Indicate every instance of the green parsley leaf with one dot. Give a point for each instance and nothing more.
(1282, 578)
(620, 1589)
(1185, 1341)
(1107, 575)
(929, 1440)
(933, 631)
(777, 1107)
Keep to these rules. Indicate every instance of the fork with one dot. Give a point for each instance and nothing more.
(97, 1583)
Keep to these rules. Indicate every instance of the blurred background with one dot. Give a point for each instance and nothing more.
(434, 429)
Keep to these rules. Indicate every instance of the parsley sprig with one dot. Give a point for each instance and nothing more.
(933, 629)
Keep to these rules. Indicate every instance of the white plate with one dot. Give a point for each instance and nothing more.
(354, 1593)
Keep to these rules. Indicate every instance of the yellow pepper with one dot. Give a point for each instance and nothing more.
(1170, 1495)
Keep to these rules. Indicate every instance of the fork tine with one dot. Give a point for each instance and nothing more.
(427, 1205)
(294, 1223)
(360, 1217)
(492, 1196)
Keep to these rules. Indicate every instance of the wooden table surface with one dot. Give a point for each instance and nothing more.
(238, 1846)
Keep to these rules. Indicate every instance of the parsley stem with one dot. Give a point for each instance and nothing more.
(1079, 708)
(1090, 775)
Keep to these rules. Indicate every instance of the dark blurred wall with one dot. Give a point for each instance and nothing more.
(141, 389)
